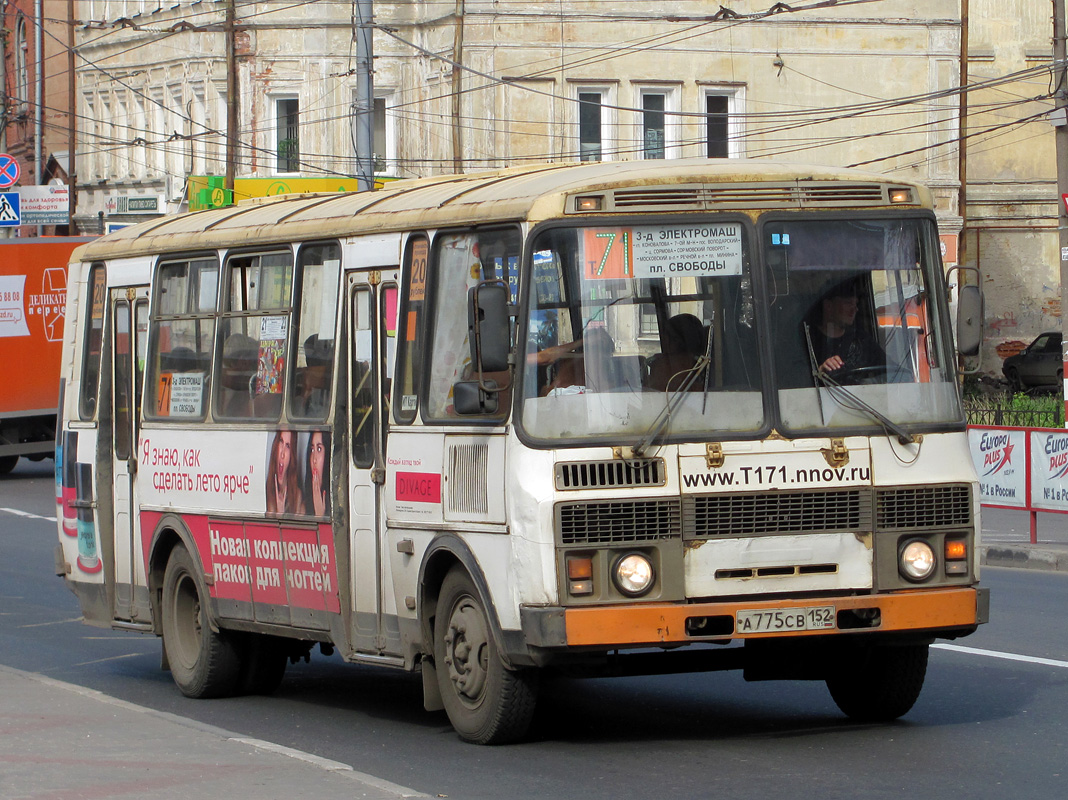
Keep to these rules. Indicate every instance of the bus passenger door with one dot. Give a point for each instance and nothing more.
(369, 304)
(129, 340)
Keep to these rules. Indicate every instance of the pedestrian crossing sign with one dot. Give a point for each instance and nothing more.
(9, 209)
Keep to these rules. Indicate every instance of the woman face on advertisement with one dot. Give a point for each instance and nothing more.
(316, 453)
(285, 452)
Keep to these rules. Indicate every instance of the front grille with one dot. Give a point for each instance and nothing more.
(715, 516)
(924, 507)
(609, 474)
(612, 522)
(721, 516)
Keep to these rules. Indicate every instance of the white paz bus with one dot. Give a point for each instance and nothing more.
(619, 417)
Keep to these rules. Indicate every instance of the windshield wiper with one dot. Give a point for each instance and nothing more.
(855, 403)
(673, 401)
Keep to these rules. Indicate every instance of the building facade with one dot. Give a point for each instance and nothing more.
(1012, 197)
(464, 85)
(35, 123)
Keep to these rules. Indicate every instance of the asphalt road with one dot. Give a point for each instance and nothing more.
(990, 723)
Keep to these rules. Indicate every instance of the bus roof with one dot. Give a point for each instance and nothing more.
(529, 193)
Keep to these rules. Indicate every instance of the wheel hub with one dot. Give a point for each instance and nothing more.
(467, 650)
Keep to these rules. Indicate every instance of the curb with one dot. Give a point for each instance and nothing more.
(1048, 559)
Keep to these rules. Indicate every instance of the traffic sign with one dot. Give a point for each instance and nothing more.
(9, 209)
(9, 171)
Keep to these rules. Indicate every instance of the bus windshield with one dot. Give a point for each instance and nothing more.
(857, 326)
(629, 324)
(625, 321)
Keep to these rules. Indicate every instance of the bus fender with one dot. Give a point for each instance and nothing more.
(443, 553)
(171, 531)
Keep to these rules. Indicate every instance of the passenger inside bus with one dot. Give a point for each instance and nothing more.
(239, 362)
(585, 364)
(843, 347)
(684, 340)
(313, 380)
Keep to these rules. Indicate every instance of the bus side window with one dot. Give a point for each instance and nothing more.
(93, 341)
(461, 261)
(363, 379)
(254, 336)
(311, 383)
(410, 324)
(182, 330)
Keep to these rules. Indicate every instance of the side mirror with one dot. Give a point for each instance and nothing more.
(488, 329)
(468, 397)
(969, 320)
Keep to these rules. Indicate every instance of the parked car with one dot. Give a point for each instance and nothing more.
(1040, 364)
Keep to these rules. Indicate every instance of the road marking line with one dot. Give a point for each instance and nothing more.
(112, 658)
(55, 622)
(1047, 662)
(27, 514)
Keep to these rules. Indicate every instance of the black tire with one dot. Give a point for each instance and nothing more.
(1015, 384)
(203, 663)
(486, 702)
(263, 664)
(8, 463)
(881, 683)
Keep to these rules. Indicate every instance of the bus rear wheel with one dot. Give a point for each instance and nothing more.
(487, 703)
(203, 663)
(8, 463)
(881, 683)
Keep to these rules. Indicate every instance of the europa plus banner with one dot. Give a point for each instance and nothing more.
(1049, 470)
(999, 455)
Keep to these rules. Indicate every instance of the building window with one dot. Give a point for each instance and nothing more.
(723, 126)
(22, 72)
(653, 128)
(657, 130)
(590, 126)
(384, 134)
(287, 132)
(592, 122)
(716, 137)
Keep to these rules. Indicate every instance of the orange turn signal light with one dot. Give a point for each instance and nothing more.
(956, 550)
(579, 568)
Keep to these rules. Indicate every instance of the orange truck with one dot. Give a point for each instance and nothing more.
(33, 300)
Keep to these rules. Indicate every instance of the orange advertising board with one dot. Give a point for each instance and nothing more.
(33, 298)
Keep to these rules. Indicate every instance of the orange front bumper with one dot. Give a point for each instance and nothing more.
(915, 610)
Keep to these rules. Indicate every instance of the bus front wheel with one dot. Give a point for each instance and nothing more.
(487, 703)
(203, 663)
(879, 684)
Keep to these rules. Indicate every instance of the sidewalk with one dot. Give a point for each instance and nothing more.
(63, 742)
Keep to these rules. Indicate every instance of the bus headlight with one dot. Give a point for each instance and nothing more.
(633, 575)
(917, 560)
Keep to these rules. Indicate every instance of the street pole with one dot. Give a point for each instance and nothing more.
(38, 98)
(231, 98)
(72, 169)
(962, 138)
(363, 122)
(457, 87)
(1061, 128)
